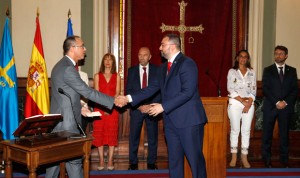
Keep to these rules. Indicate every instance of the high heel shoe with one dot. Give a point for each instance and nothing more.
(110, 168)
(100, 168)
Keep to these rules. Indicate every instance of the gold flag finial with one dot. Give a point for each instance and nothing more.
(38, 12)
(7, 12)
(69, 14)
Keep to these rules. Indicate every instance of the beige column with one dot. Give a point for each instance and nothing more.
(255, 37)
(100, 32)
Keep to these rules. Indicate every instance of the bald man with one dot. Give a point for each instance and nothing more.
(138, 113)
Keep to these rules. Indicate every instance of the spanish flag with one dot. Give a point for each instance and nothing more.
(9, 114)
(37, 96)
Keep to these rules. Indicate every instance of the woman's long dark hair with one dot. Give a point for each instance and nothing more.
(236, 62)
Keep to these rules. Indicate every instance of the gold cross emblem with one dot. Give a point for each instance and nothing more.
(182, 28)
(3, 73)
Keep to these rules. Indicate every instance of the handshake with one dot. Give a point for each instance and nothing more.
(152, 109)
(121, 101)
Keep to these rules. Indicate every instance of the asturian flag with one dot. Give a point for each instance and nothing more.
(37, 95)
(9, 115)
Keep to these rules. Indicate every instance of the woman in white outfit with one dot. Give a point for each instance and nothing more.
(241, 86)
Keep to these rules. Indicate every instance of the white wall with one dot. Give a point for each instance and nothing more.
(288, 29)
(53, 22)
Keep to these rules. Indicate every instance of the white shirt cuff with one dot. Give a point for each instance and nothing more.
(129, 98)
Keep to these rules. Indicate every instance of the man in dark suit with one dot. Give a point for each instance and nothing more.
(65, 76)
(280, 90)
(138, 77)
(183, 111)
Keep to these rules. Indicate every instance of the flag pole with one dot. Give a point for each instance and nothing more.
(38, 12)
(69, 14)
(7, 12)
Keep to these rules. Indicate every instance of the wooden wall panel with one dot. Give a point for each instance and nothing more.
(215, 138)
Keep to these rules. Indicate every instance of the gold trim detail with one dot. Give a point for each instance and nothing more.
(234, 32)
(128, 34)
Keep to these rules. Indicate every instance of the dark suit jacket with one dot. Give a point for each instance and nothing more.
(65, 76)
(274, 90)
(179, 93)
(134, 85)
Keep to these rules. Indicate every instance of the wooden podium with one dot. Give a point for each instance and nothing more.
(35, 146)
(34, 156)
(215, 138)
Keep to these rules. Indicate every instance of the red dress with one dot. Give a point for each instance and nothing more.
(105, 130)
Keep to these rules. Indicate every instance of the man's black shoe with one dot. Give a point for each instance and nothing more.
(151, 166)
(284, 164)
(133, 167)
(268, 164)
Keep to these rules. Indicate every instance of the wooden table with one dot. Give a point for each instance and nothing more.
(33, 156)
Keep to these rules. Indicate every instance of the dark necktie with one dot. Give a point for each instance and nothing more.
(144, 82)
(169, 66)
(281, 73)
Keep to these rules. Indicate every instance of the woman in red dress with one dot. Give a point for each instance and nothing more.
(105, 130)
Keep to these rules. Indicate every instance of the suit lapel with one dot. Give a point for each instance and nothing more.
(68, 61)
(173, 67)
(275, 72)
(150, 73)
(138, 77)
(286, 72)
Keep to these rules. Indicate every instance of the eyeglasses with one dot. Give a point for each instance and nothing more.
(279, 54)
(82, 46)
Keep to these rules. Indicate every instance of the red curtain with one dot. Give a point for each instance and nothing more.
(212, 50)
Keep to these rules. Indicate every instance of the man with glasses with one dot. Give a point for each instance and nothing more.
(280, 90)
(65, 78)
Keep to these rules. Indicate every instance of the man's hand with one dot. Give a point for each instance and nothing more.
(85, 111)
(155, 109)
(144, 108)
(281, 105)
(120, 101)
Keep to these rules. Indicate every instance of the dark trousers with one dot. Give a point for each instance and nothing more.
(136, 123)
(269, 119)
(185, 141)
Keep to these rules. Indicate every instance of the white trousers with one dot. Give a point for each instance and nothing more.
(236, 115)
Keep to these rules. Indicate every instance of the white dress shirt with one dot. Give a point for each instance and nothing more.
(278, 69)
